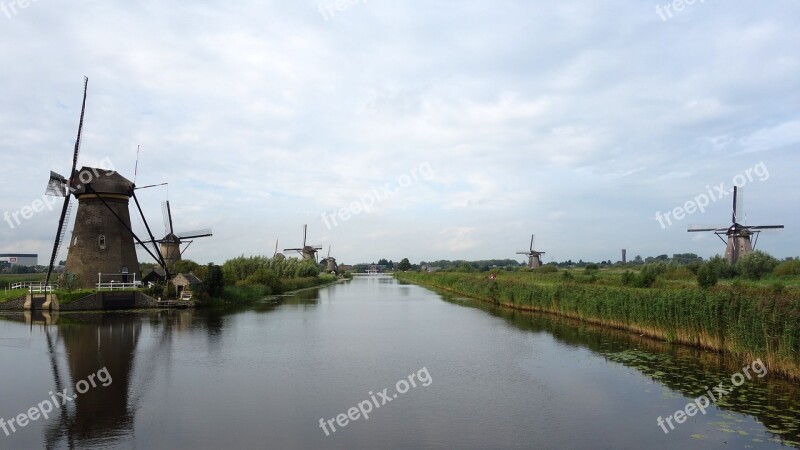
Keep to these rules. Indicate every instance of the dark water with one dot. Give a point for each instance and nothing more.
(264, 377)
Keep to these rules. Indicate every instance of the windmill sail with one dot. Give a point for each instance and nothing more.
(56, 186)
(62, 222)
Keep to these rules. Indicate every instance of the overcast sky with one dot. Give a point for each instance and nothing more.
(462, 126)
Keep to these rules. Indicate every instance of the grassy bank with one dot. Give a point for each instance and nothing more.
(11, 295)
(246, 294)
(747, 321)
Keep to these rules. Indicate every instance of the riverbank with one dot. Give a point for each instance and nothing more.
(245, 295)
(746, 322)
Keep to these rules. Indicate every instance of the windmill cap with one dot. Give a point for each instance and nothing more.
(102, 181)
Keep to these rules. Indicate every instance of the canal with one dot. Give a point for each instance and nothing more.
(372, 363)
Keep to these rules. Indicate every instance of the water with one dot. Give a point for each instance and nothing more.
(263, 377)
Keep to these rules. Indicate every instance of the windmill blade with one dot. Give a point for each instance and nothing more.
(80, 129)
(56, 186)
(165, 215)
(329, 251)
(735, 202)
(62, 222)
(276, 249)
(169, 215)
(766, 227)
(533, 239)
(305, 234)
(739, 207)
(697, 228)
(194, 234)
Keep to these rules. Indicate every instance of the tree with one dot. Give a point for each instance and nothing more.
(185, 266)
(214, 281)
(756, 264)
(404, 265)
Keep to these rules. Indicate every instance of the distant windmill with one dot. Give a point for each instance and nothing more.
(275, 254)
(534, 259)
(309, 252)
(738, 242)
(330, 262)
(171, 243)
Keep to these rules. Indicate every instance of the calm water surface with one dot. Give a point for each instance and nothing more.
(264, 377)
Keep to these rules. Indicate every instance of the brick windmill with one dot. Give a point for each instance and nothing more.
(534, 259)
(171, 243)
(739, 242)
(102, 244)
(309, 252)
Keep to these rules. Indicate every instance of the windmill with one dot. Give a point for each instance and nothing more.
(534, 259)
(102, 243)
(330, 262)
(171, 243)
(309, 252)
(275, 254)
(739, 242)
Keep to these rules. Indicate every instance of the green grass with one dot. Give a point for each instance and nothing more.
(748, 320)
(65, 298)
(11, 295)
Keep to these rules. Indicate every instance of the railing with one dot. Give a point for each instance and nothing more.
(33, 286)
(118, 286)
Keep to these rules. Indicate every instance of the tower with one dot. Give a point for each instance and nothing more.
(102, 241)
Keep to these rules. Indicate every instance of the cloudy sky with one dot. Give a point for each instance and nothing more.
(420, 129)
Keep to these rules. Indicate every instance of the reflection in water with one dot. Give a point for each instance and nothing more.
(689, 371)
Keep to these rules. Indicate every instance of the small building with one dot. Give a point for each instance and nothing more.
(154, 275)
(186, 282)
(20, 259)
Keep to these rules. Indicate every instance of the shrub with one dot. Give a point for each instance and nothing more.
(706, 277)
(722, 268)
(628, 278)
(756, 264)
(567, 275)
(591, 267)
(788, 268)
(549, 268)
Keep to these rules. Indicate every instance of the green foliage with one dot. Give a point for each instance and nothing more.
(185, 266)
(567, 275)
(722, 268)
(788, 268)
(69, 281)
(591, 267)
(237, 270)
(756, 264)
(628, 278)
(404, 265)
(547, 268)
(706, 276)
(214, 281)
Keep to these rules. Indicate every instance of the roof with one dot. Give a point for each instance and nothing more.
(102, 181)
(184, 279)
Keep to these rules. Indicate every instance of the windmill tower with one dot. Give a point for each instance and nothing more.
(330, 263)
(171, 243)
(534, 259)
(739, 242)
(309, 252)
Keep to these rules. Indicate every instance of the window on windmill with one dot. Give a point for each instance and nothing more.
(101, 241)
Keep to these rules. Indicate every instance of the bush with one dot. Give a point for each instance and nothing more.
(756, 264)
(722, 268)
(567, 275)
(628, 278)
(788, 268)
(591, 268)
(706, 277)
(549, 268)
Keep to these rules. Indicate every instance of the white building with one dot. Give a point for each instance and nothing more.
(19, 259)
